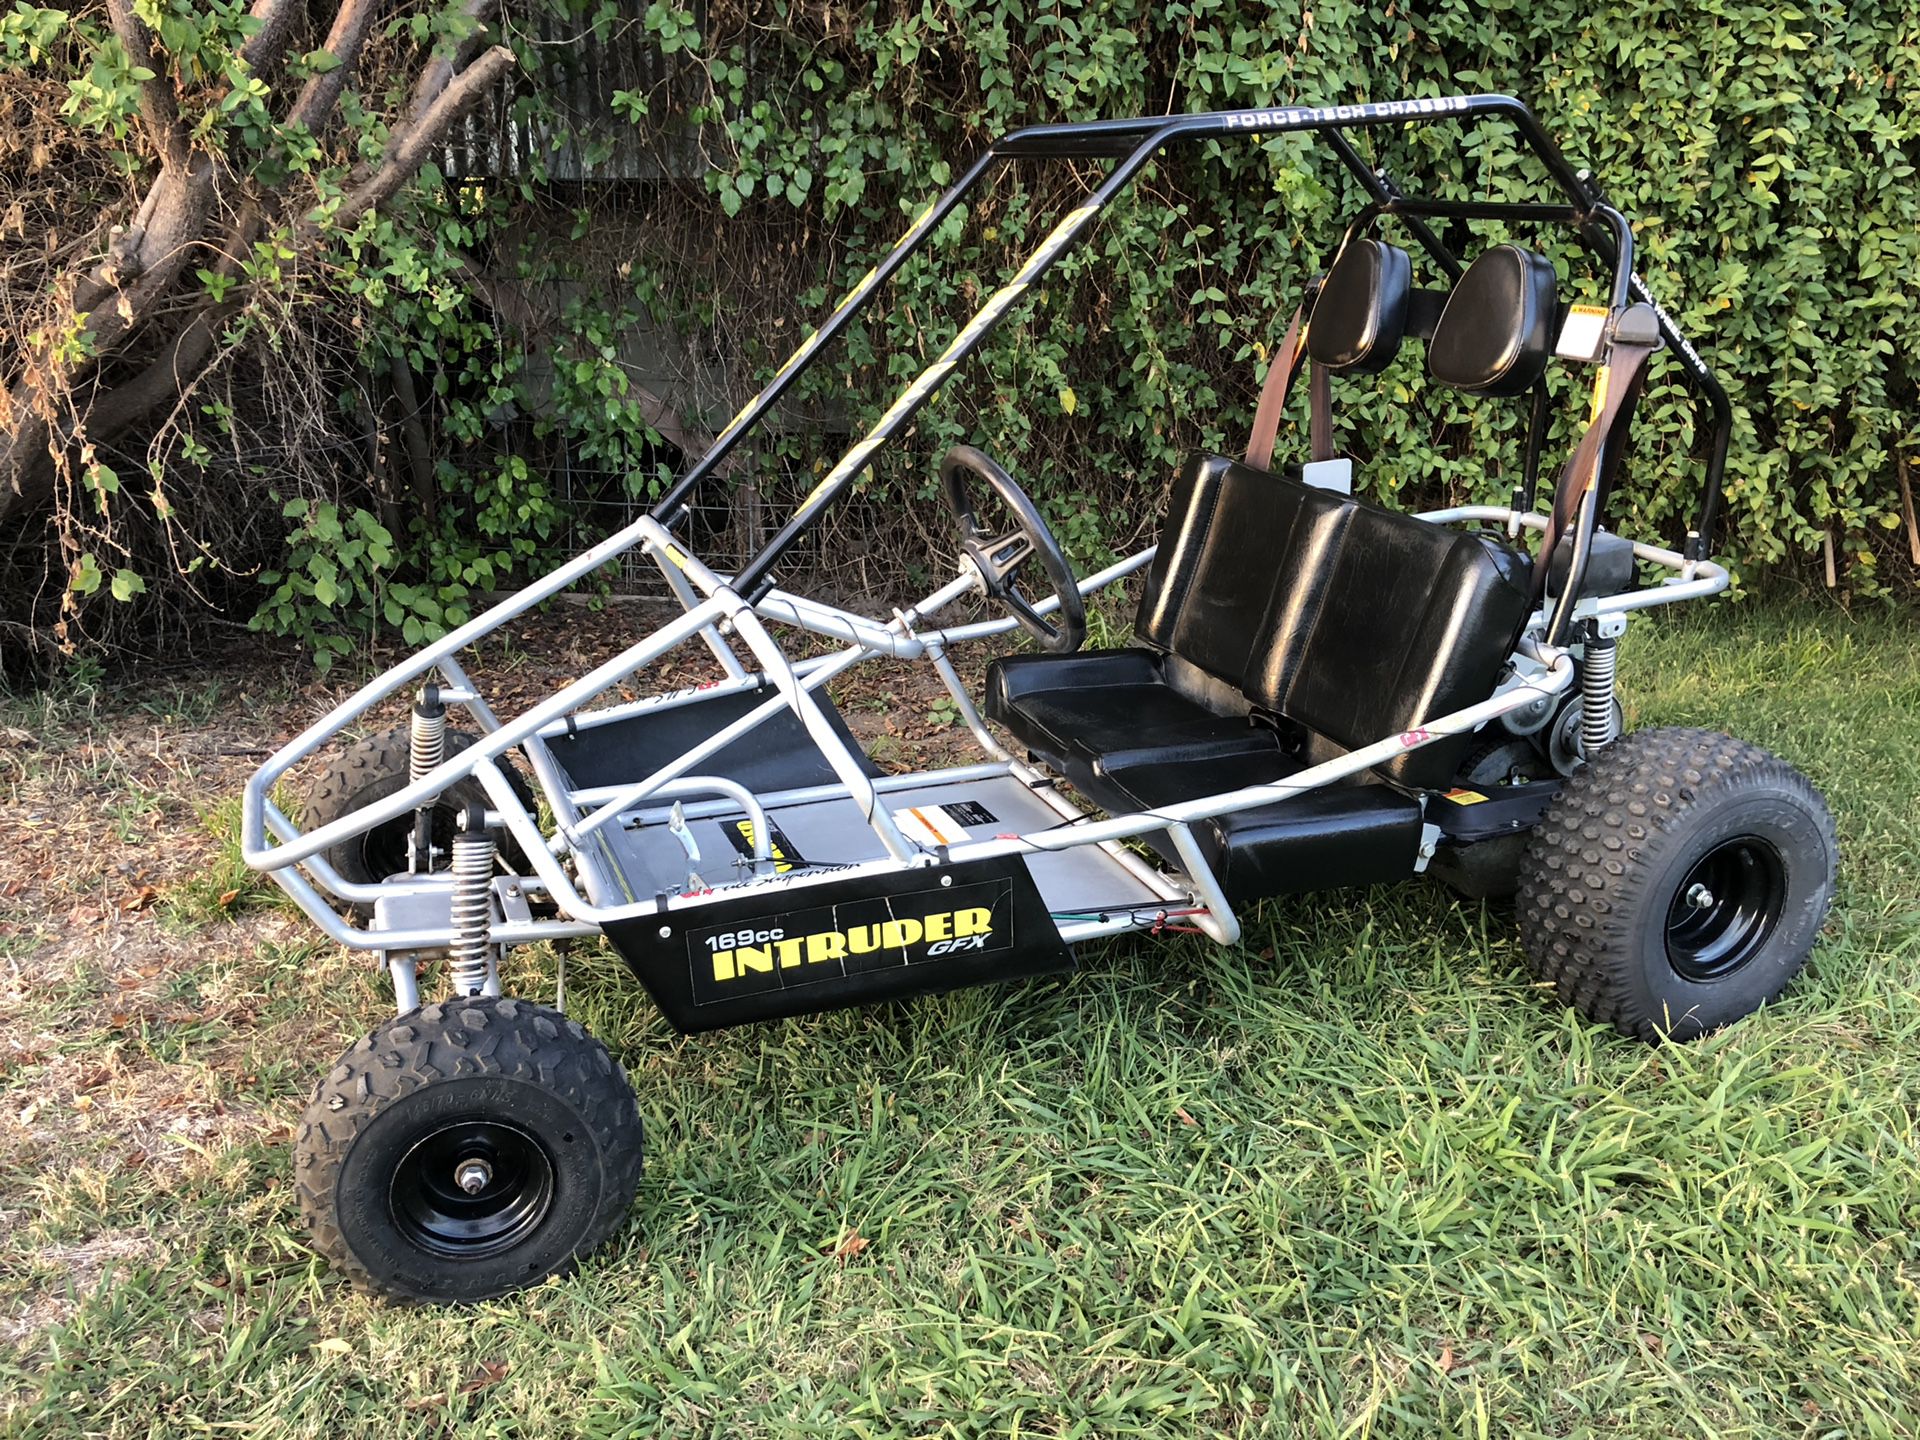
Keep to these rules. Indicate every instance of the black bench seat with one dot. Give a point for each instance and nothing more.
(1281, 625)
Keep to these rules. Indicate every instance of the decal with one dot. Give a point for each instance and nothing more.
(1326, 114)
(1464, 797)
(783, 950)
(930, 825)
(970, 812)
(1580, 337)
(782, 851)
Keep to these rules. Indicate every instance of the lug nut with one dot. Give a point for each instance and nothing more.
(473, 1175)
(1699, 897)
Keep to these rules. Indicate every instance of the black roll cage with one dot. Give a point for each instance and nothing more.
(1133, 143)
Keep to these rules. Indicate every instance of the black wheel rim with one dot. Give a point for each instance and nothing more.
(472, 1188)
(1725, 909)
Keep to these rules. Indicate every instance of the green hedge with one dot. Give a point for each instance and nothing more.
(1766, 154)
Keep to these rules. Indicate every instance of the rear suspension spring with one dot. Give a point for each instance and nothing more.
(470, 958)
(1597, 671)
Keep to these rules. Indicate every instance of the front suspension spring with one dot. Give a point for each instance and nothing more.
(426, 734)
(426, 748)
(470, 958)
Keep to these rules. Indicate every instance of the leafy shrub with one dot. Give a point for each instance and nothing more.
(1766, 152)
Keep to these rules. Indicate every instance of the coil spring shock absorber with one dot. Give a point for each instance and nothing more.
(470, 957)
(1597, 670)
(426, 748)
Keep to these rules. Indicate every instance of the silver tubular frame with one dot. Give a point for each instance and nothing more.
(736, 616)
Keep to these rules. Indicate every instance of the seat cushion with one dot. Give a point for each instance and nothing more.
(1417, 622)
(1072, 710)
(1123, 727)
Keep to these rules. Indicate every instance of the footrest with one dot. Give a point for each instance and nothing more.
(776, 754)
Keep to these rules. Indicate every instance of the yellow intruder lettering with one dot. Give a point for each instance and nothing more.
(944, 932)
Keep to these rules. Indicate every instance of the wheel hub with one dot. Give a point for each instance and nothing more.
(472, 1188)
(1725, 909)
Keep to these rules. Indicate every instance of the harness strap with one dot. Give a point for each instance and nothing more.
(1616, 388)
(1279, 383)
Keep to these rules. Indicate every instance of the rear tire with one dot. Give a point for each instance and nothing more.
(466, 1150)
(1677, 883)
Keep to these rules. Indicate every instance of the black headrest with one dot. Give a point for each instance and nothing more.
(1496, 334)
(1361, 313)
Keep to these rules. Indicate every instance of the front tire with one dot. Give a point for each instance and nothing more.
(1677, 883)
(466, 1150)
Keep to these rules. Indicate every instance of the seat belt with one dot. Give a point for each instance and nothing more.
(1279, 383)
(1635, 337)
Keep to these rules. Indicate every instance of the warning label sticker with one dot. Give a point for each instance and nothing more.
(940, 824)
(1580, 336)
(970, 812)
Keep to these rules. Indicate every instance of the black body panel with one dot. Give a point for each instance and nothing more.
(799, 950)
(1469, 816)
(1354, 834)
(1612, 568)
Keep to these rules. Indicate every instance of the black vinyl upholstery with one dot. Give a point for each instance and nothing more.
(1280, 622)
(1283, 624)
(1360, 316)
(1496, 334)
(1123, 706)
(1369, 620)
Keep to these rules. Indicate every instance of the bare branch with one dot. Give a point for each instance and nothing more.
(182, 358)
(413, 140)
(441, 68)
(158, 110)
(177, 364)
(267, 45)
(344, 42)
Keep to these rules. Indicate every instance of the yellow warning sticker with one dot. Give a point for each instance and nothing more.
(1465, 797)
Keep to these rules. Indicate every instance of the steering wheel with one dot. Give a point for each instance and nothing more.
(998, 559)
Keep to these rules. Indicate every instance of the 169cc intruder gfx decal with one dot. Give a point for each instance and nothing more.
(1319, 693)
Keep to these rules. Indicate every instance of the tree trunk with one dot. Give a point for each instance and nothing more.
(76, 382)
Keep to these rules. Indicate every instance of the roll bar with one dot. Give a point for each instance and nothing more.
(1132, 143)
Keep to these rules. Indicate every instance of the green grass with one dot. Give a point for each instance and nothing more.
(1356, 1178)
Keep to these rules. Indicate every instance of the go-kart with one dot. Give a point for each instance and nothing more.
(1321, 693)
